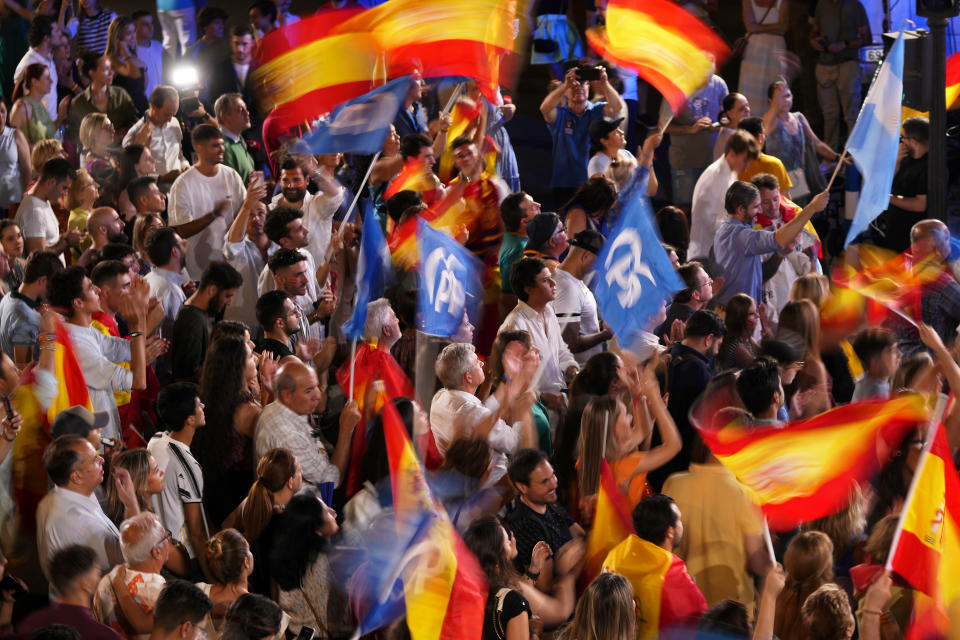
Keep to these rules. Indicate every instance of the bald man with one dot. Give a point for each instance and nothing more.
(940, 299)
(285, 422)
(104, 226)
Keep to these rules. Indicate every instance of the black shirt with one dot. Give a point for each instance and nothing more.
(497, 615)
(191, 333)
(909, 181)
(277, 348)
(530, 527)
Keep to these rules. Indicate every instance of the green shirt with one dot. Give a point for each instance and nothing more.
(511, 250)
(237, 157)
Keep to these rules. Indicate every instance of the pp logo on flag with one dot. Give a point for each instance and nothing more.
(444, 273)
(625, 267)
(355, 119)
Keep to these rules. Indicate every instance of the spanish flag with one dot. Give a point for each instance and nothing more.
(926, 549)
(29, 475)
(444, 588)
(662, 43)
(415, 176)
(372, 364)
(611, 524)
(807, 470)
(462, 115)
(447, 215)
(953, 79)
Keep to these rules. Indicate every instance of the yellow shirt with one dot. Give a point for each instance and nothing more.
(771, 165)
(717, 515)
(78, 219)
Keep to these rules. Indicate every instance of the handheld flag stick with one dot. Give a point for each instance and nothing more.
(356, 197)
(768, 542)
(353, 364)
(932, 427)
(453, 98)
(836, 169)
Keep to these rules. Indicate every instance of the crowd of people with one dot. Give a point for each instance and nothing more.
(201, 265)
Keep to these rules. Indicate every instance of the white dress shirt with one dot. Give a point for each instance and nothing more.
(65, 518)
(152, 56)
(544, 330)
(318, 211)
(279, 426)
(455, 414)
(707, 210)
(96, 354)
(166, 144)
(194, 195)
(167, 287)
(33, 56)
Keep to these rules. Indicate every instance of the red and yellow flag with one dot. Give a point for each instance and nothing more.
(415, 176)
(926, 551)
(953, 79)
(373, 363)
(807, 470)
(462, 115)
(662, 43)
(29, 475)
(446, 590)
(611, 524)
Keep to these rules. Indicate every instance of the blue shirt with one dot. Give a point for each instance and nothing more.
(739, 249)
(19, 323)
(571, 144)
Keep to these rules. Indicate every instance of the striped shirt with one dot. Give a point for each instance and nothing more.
(92, 33)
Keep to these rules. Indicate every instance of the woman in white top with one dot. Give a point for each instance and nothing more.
(607, 142)
(766, 22)
(14, 162)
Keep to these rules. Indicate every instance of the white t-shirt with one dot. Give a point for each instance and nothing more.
(152, 56)
(600, 161)
(37, 220)
(182, 484)
(575, 303)
(194, 195)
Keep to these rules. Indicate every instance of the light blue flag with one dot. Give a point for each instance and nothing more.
(634, 274)
(360, 125)
(450, 282)
(874, 140)
(374, 274)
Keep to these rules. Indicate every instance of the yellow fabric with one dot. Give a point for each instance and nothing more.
(122, 398)
(622, 470)
(78, 220)
(716, 516)
(771, 165)
(644, 565)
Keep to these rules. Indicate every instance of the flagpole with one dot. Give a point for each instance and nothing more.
(931, 434)
(353, 364)
(836, 169)
(767, 541)
(453, 98)
(356, 196)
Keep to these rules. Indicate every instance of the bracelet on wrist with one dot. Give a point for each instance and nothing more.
(532, 575)
(134, 334)
(9, 439)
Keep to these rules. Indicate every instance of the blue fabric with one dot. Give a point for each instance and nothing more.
(450, 282)
(874, 140)
(374, 273)
(739, 250)
(634, 273)
(571, 143)
(360, 125)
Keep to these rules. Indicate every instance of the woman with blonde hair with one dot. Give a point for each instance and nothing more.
(610, 432)
(97, 135)
(808, 563)
(605, 611)
(800, 324)
(814, 287)
(144, 224)
(130, 72)
(81, 200)
(43, 151)
(230, 563)
(147, 481)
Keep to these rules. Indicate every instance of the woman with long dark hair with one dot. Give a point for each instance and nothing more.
(588, 207)
(224, 447)
(739, 348)
(299, 566)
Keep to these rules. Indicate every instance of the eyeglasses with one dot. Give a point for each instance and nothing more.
(707, 282)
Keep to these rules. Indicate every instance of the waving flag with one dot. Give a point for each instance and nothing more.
(808, 470)
(926, 546)
(450, 282)
(374, 274)
(444, 588)
(874, 140)
(662, 43)
(953, 79)
(360, 125)
(634, 274)
(29, 475)
(612, 524)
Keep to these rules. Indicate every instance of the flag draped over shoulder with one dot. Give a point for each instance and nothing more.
(874, 140)
(662, 43)
(444, 588)
(29, 475)
(611, 524)
(926, 548)
(807, 470)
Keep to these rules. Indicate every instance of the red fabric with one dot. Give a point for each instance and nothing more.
(681, 603)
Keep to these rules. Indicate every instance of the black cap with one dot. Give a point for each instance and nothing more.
(600, 129)
(588, 239)
(541, 229)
